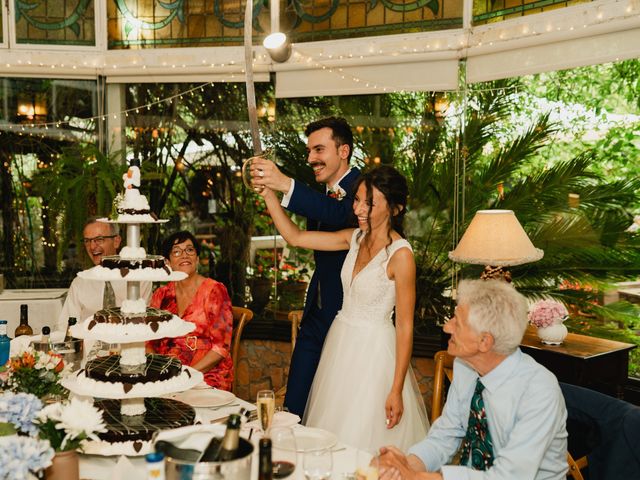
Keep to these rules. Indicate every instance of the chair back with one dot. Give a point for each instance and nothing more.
(241, 316)
(606, 429)
(295, 317)
(443, 369)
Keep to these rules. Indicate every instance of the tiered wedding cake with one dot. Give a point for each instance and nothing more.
(129, 383)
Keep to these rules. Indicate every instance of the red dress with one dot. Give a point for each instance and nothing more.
(211, 312)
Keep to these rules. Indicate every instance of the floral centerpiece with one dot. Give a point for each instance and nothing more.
(30, 435)
(34, 372)
(548, 316)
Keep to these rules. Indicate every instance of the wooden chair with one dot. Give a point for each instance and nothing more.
(241, 316)
(444, 368)
(295, 317)
(575, 467)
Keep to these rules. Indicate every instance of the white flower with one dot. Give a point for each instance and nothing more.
(80, 418)
(53, 411)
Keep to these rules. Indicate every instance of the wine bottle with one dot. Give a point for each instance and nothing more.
(46, 331)
(5, 343)
(265, 469)
(24, 328)
(68, 336)
(228, 448)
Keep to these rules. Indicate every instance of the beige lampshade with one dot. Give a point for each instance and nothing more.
(495, 237)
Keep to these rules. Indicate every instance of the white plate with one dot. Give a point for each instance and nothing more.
(310, 439)
(280, 419)
(205, 398)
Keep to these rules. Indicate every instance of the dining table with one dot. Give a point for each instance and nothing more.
(345, 457)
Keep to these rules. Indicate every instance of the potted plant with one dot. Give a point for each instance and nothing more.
(293, 280)
(33, 438)
(548, 316)
(260, 279)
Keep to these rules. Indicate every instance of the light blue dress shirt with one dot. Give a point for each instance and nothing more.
(526, 417)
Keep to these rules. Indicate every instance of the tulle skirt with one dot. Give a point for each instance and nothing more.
(352, 383)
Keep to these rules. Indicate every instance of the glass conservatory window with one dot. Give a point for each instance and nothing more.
(148, 23)
(489, 11)
(58, 22)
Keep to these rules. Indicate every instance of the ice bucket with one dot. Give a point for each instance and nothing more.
(177, 468)
(71, 351)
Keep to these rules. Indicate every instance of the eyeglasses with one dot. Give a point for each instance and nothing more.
(176, 252)
(99, 240)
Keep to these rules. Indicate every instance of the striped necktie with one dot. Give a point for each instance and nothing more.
(477, 443)
(108, 296)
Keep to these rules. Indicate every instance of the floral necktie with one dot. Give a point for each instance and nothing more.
(477, 443)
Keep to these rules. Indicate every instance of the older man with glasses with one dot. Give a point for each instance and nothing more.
(86, 297)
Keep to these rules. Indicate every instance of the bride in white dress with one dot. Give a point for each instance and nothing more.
(364, 390)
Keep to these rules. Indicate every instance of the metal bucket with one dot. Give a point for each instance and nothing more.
(238, 469)
(71, 351)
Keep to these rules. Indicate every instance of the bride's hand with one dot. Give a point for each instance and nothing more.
(394, 408)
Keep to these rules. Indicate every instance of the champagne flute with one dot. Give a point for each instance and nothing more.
(283, 451)
(266, 403)
(318, 464)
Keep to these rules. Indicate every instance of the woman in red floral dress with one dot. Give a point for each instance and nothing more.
(205, 303)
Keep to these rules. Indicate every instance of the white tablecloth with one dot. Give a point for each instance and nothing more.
(45, 305)
(93, 467)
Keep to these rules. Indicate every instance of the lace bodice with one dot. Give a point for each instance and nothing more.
(371, 295)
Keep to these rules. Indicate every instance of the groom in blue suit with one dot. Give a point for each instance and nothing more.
(329, 147)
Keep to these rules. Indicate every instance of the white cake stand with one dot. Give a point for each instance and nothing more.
(132, 337)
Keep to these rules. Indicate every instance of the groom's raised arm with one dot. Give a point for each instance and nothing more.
(315, 205)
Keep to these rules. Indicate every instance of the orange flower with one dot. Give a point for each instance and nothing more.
(15, 363)
(59, 367)
(28, 360)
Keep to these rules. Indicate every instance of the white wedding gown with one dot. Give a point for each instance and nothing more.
(357, 364)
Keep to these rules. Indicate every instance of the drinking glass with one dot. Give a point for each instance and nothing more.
(266, 403)
(283, 451)
(318, 464)
(367, 466)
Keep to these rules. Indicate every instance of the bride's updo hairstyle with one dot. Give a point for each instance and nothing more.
(393, 186)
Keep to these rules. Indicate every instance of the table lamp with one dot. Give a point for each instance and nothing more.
(496, 239)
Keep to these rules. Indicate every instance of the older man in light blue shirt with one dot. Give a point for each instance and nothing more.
(523, 403)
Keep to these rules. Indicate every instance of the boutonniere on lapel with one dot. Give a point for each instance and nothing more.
(338, 193)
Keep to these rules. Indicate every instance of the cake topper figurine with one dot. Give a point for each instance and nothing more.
(132, 177)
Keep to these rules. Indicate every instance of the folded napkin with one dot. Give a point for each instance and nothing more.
(124, 470)
(195, 437)
(280, 419)
(21, 343)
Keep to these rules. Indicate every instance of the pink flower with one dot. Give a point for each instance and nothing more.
(545, 313)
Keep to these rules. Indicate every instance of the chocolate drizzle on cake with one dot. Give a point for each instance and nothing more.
(114, 315)
(157, 368)
(133, 211)
(161, 414)
(115, 262)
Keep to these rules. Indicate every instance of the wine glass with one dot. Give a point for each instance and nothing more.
(266, 403)
(283, 451)
(318, 464)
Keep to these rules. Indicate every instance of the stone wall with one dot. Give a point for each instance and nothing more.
(264, 364)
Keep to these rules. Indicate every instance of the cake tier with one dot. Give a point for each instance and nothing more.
(131, 435)
(80, 384)
(115, 315)
(150, 261)
(157, 368)
(136, 275)
(133, 219)
(151, 328)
